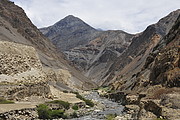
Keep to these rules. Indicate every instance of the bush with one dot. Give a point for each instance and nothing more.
(75, 107)
(4, 101)
(55, 114)
(43, 111)
(60, 102)
(80, 97)
(89, 102)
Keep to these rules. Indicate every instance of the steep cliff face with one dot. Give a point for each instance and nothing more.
(29, 59)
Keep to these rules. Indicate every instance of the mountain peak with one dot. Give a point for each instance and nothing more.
(70, 20)
(69, 32)
(70, 16)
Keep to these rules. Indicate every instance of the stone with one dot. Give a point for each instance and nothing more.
(132, 107)
(132, 99)
(152, 106)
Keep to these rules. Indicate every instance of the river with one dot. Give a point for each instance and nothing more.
(110, 107)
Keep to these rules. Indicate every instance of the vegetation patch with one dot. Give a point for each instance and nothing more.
(45, 112)
(88, 102)
(110, 116)
(75, 107)
(4, 101)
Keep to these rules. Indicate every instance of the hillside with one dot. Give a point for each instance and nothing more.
(133, 59)
(154, 91)
(29, 57)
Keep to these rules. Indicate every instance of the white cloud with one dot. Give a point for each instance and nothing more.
(129, 15)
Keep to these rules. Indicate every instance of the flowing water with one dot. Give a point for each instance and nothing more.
(110, 107)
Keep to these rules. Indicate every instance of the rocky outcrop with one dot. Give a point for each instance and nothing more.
(17, 58)
(21, 72)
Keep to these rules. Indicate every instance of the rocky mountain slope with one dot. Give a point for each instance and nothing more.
(88, 49)
(113, 54)
(29, 62)
(133, 59)
(154, 91)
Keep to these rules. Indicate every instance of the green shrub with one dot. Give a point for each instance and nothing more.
(75, 107)
(43, 111)
(55, 114)
(89, 103)
(4, 101)
(80, 97)
(60, 102)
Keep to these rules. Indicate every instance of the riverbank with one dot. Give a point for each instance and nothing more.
(103, 107)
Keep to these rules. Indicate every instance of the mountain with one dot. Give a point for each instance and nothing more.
(154, 91)
(29, 62)
(88, 49)
(112, 53)
(69, 32)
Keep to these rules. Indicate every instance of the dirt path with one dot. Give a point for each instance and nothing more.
(16, 106)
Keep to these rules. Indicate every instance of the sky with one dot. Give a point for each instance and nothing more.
(132, 16)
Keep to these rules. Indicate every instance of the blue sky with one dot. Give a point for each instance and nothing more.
(129, 15)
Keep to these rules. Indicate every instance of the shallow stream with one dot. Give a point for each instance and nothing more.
(110, 107)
